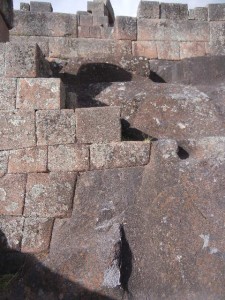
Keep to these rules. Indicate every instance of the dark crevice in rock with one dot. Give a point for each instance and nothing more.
(126, 258)
(183, 154)
(156, 78)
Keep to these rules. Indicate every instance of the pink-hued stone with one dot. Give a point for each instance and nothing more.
(36, 234)
(55, 127)
(11, 228)
(12, 194)
(49, 194)
(64, 158)
(145, 48)
(98, 125)
(119, 155)
(40, 93)
(168, 50)
(28, 160)
(17, 129)
(192, 49)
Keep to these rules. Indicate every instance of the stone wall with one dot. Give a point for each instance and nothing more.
(160, 31)
(45, 147)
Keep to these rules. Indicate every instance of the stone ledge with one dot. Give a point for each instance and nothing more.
(119, 155)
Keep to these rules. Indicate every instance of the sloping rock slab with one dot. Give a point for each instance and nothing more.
(176, 230)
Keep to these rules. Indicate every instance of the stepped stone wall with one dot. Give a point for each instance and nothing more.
(160, 30)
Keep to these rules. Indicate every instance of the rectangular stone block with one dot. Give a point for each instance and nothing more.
(8, 88)
(36, 6)
(67, 158)
(216, 12)
(174, 11)
(17, 129)
(148, 9)
(49, 195)
(88, 48)
(84, 31)
(2, 59)
(25, 60)
(95, 32)
(109, 10)
(40, 93)
(97, 8)
(107, 32)
(28, 160)
(55, 127)
(12, 228)
(126, 28)
(4, 31)
(192, 49)
(36, 235)
(168, 30)
(44, 24)
(119, 155)
(42, 41)
(4, 158)
(101, 21)
(201, 13)
(217, 38)
(98, 125)
(146, 49)
(168, 50)
(24, 6)
(191, 14)
(12, 194)
(85, 20)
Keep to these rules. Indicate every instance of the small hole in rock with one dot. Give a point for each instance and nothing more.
(183, 154)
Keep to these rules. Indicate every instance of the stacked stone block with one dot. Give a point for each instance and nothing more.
(44, 147)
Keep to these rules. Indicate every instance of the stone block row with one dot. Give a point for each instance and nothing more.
(44, 24)
(36, 6)
(50, 195)
(31, 93)
(31, 235)
(95, 32)
(156, 10)
(169, 50)
(88, 48)
(55, 127)
(23, 60)
(169, 30)
(198, 13)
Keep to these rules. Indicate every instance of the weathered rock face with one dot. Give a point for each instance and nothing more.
(176, 235)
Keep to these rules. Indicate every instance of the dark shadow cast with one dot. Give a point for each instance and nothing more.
(133, 134)
(156, 78)
(183, 154)
(126, 258)
(77, 82)
(23, 277)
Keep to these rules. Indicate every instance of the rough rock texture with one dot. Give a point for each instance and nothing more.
(55, 127)
(119, 155)
(8, 93)
(17, 128)
(12, 194)
(28, 160)
(49, 195)
(98, 125)
(36, 235)
(101, 200)
(12, 228)
(68, 158)
(179, 224)
(40, 93)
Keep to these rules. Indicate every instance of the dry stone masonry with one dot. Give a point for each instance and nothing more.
(112, 142)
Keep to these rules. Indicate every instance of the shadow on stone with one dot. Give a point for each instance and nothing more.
(22, 276)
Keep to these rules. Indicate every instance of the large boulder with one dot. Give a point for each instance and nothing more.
(176, 228)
